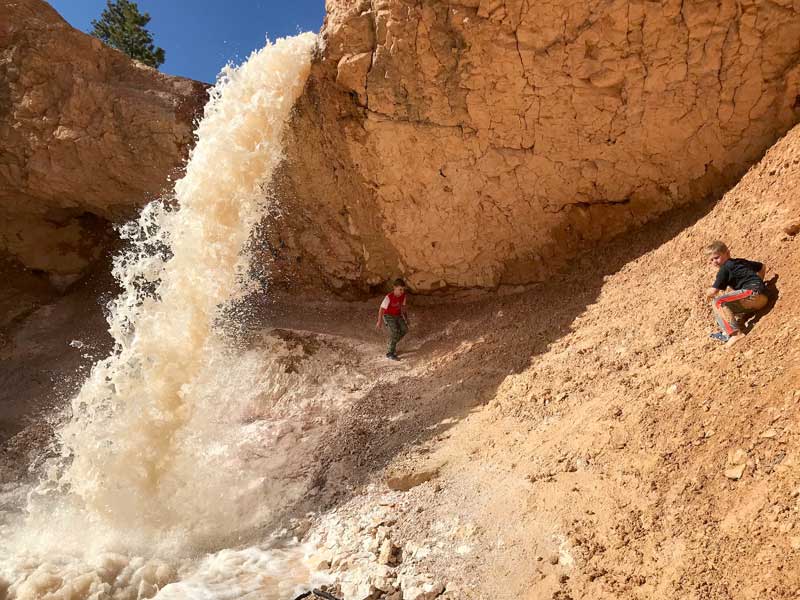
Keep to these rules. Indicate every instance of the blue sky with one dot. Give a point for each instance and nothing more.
(200, 36)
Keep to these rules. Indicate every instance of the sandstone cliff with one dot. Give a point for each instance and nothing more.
(481, 142)
(461, 143)
(87, 135)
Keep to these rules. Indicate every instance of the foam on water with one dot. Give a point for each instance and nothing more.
(151, 460)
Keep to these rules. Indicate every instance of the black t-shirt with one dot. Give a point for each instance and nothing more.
(740, 274)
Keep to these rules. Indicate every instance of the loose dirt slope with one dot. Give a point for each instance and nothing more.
(639, 415)
(596, 468)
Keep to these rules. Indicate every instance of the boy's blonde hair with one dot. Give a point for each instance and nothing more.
(717, 247)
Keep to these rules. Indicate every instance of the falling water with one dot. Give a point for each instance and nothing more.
(146, 469)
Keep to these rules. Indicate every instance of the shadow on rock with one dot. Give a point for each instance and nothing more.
(478, 344)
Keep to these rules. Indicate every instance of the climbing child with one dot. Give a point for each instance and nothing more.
(393, 314)
(746, 280)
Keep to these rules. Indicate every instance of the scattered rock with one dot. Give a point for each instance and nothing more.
(389, 553)
(735, 472)
(403, 479)
(360, 591)
(422, 591)
(737, 457)
(737, 463)
(769, 433)
(323, 565)
(792, 228)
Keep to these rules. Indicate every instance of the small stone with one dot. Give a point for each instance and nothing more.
(792, 228)
(429, 592)
(735, 472)
(769, 434)
(389, 553)
(360, 591)
(737, 457)
(553, 559)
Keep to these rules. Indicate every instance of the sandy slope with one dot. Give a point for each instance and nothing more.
(589, 422)
(576, 434)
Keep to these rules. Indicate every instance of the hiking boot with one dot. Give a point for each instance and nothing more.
(391, 356)
(720, 337)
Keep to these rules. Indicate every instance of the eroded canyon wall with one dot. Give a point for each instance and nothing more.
(482, 142)
(457, 143)
(87, 136)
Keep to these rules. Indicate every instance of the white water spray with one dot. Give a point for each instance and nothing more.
(145, 469)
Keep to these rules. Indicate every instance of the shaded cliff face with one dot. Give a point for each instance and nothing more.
(479, 143)
(87, 135)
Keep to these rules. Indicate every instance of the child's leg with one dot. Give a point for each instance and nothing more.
(750, 304)
(724, 315)
(394, 333)
(740, 301)
(403, 326)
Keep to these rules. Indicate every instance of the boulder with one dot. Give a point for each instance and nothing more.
(88, 135)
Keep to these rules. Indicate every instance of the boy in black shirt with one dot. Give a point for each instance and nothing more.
(746, 279)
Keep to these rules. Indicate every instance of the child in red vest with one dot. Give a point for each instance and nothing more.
(393, 314)
(749, 294)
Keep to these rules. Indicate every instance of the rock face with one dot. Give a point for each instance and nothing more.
(458, 143)
(87, 135)
(483, 142)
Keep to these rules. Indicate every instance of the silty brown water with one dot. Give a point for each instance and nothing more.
(150, 461)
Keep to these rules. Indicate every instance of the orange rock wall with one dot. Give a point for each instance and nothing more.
(87, 135)
(478, 143)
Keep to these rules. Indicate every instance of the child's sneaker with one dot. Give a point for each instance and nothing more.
(720, 337)
(391, 356)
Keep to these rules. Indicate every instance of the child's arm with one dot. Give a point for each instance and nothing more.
(720, 283)
(381, 312)
(404, 314)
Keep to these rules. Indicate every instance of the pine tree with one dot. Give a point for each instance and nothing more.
(122, 26)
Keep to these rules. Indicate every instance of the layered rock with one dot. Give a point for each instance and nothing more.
(458, 143)
(483, 142)
(87, 136)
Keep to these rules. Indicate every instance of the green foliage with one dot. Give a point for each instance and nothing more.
(122, 26)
